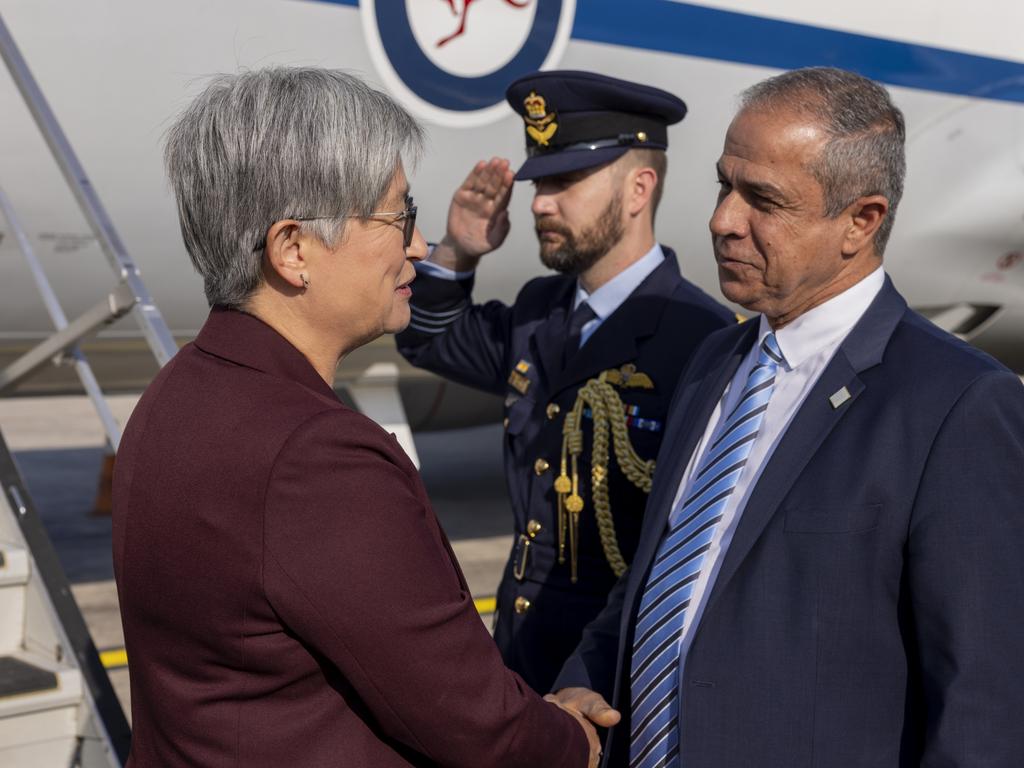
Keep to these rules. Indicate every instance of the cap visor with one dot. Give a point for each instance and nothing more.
(555, 163)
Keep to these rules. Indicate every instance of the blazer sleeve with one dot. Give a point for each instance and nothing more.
(966, 581)
(355, 564)
(454, 338)
(592, 665)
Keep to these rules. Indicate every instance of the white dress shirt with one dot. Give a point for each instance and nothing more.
(604, 301)
(807, 344)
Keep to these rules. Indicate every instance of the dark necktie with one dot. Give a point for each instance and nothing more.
(580, 316)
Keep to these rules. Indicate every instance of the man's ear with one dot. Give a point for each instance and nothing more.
(285, 254)
(640, 185)
(865, 216)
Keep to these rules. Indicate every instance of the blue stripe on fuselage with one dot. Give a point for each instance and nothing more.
(692, 30)
(662, 25)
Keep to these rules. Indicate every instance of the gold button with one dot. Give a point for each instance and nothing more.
(521, 605)
(641, 137)
(533, 528)
(505, 422)
(540, 466)
(552, 410)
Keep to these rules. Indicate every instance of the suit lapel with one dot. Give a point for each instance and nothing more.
(615, 340)
(809, 428)
(811, 424)
(687, 421)
(549, 336)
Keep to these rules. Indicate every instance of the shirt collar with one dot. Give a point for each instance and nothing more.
(610, 296)
(827, 324)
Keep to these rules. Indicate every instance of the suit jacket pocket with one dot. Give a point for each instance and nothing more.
(833, 518)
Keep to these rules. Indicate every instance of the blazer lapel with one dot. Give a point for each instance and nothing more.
(811, 424)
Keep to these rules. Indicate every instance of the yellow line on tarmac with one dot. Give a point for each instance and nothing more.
(115, 658)
(485, 604)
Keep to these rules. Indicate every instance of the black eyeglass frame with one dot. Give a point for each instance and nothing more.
(408, 217)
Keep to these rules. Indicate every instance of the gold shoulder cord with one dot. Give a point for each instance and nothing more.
(608, 413)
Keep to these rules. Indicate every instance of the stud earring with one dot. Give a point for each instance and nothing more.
(305, 282)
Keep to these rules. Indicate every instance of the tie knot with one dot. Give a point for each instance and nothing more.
(580, 316)
(770, 352)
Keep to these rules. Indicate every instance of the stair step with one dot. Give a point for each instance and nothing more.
(39, 713)
(29, 683)
(18, 677)
(14, 576)
(14, 568)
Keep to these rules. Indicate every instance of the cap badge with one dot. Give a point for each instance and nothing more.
(540, 124)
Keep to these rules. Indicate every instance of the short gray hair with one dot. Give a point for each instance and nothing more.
(278, 143)
(865, 153)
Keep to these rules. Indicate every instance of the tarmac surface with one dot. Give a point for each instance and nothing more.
(59, 446)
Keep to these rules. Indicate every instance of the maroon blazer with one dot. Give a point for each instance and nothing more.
(287, 594)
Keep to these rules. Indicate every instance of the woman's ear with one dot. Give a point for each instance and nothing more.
(286, 255)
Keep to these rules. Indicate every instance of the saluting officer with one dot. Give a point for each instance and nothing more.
(587, 360)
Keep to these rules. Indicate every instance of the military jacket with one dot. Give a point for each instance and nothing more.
(518, 352)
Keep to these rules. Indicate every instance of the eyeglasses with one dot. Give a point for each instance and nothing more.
(408, 217)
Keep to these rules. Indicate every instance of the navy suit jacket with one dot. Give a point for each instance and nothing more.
(656, 328)
(870, 609)
(287, 594)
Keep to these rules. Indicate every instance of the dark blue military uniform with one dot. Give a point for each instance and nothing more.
(541, 612)
(582, 425)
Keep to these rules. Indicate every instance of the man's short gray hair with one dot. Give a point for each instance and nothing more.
(272, 144)
(865, 153)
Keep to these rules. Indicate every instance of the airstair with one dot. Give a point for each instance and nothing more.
(57, 706)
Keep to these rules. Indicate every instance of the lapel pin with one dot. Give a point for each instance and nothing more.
(839, 398)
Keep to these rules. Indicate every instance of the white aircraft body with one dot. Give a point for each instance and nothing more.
(117, 72)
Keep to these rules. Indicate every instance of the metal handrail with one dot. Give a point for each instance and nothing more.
(151, 322)
(66, 340)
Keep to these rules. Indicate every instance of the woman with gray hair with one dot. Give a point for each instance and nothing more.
(287, 594)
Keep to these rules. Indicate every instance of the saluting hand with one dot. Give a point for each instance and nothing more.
(478, 216)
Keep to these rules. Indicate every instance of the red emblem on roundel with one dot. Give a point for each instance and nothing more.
(1010, 260)
(461, 13)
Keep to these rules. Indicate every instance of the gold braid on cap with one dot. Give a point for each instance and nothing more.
(608, 414)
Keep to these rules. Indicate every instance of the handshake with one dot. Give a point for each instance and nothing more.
(589, 709)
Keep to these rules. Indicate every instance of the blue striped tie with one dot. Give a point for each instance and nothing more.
(654, 681)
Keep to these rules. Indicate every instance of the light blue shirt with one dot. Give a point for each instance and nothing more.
(609, 297)
(604, 301)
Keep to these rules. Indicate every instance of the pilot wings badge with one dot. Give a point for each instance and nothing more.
(627, 377)
(540, 124)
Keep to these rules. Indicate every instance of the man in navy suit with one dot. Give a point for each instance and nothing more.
(829, 572)
(595, 350)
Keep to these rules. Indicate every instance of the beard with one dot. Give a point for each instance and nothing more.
(576, 252)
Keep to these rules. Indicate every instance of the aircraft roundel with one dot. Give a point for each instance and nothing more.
(450, 61)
